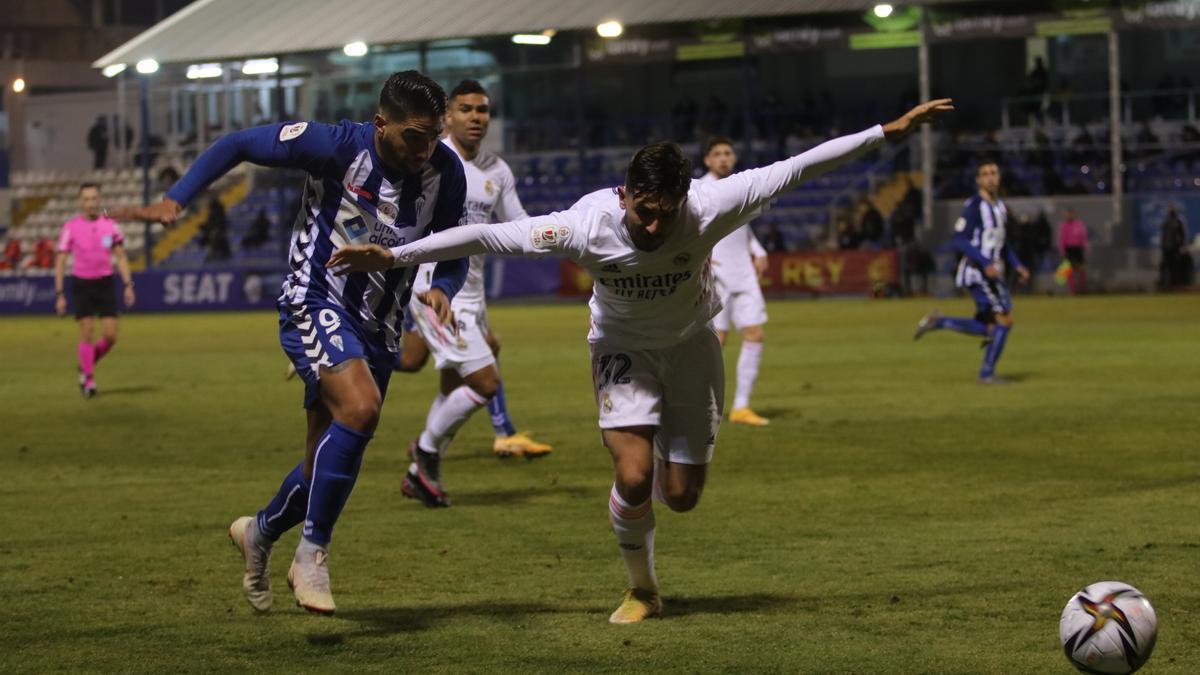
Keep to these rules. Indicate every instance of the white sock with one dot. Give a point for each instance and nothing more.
(634, 527)
(447, 416)
(747, 373)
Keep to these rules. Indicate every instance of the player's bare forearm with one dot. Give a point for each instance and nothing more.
(922, 114)
(166, 212)
(60, 271)
(360, 258)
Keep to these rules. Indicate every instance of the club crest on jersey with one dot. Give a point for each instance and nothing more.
(683, 259)
(387, 213)
(289, 131)
(419, 203)
(336, 341)
(489, 187)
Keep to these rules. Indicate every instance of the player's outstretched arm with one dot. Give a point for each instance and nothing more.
(558, 233)
(732, 200)
(301, 145)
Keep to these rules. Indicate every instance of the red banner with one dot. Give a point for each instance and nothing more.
(839, 272)
(815, 273)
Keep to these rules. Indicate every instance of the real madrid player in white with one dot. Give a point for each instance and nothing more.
(737, 261)
(656, 364)
(465, 353)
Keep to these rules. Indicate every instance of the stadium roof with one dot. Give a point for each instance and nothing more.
(219, 30)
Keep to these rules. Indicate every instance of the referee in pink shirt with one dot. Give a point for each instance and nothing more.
(92, 240)
(1072, 245)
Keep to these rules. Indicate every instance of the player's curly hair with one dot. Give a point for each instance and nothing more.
(659, 169)
(409, 93)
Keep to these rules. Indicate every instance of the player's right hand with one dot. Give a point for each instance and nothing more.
(991, 272)
(166, 212)
(360, 258)
(60, 306)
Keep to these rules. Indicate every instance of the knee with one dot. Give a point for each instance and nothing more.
(634, 484)
(683, 498)
(753, 334)
(110, 338)
(486, 388)
(361, 414)
(409, 363)
(1005, 320)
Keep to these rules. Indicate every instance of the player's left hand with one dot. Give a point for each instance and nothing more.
(360, 258)
(760, 265)
(922, 114)
(440, 304)
(130, 298)
(1023, 273)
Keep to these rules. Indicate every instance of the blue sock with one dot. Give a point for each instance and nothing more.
(962, 325)
(498, 410)
(335, 468)
(992, 354)
(287, 507)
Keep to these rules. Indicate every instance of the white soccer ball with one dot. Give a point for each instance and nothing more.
(1108, 627)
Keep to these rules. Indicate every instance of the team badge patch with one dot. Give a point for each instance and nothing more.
(489, 187)
(387, 213)
(544, 236)
(607, 404)
(290, 131)
(336, 341)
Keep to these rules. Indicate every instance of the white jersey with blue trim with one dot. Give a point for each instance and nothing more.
(982, 224)
(491, 197)
(351, 201)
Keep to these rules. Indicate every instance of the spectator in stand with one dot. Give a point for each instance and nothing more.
(97, 141)
(1072, 245)
(1032, 241)
(775, 241)
(870, 223)
(12, 255)
(43, 254)
(259, 232)
(214, 234)
(1173, 240)
(847, 236)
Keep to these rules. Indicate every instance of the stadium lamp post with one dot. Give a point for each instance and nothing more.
(145, 69)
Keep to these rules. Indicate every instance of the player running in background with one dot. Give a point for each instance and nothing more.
(389, 182)
(657, 370)
(979, 236)
(737, 262)
(466, 356)
(92, 240)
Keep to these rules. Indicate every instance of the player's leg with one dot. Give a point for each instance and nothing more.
(631, 513)
(86, 353)
(960, 324)
(108, 336)
(1000, 307)
(749, 313)
(693, 398)
(508, 442)
(413, 353)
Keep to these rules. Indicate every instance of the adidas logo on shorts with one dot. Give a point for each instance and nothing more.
(611, 268)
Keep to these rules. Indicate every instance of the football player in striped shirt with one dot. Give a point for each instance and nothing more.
(386, 182)
(980, 237)
(657, 371)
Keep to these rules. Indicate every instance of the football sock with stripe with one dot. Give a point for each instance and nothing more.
(634, 527)
(286, 509)
(445, 418)
(498, 411)
(335, 468)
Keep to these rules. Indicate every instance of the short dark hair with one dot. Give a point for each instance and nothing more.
(467, 87)
(409, 93)
(715, 141)
(984, 161)
(88, 184)
(657, 169)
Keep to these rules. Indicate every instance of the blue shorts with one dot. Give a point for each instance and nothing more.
(324, 337)
(991, 298)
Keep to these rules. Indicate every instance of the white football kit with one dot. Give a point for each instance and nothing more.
(655, 359)
(741, 295)
(491, 191)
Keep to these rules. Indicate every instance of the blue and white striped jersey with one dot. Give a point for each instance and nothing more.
(350, 197)
(980, 235)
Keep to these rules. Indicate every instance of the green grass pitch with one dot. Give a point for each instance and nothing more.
(894, 518)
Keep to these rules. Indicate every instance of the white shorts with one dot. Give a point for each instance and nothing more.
(466, 352)
(679, 389)
(742, 309)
